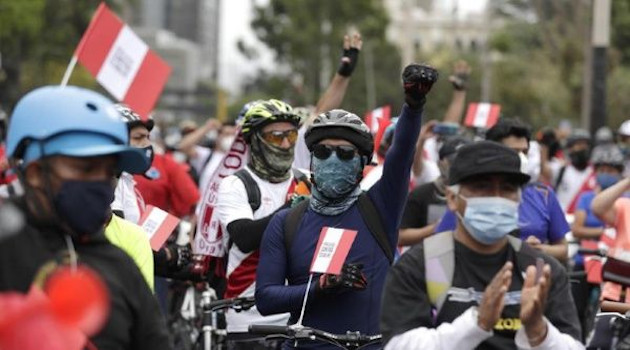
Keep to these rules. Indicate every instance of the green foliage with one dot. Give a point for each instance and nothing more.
(37, 39)
(306, 37)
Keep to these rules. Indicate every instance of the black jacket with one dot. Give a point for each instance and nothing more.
(134, 320)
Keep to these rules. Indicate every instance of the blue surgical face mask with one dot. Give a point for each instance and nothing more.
(606, 180)
(334, 178)
(489, 219)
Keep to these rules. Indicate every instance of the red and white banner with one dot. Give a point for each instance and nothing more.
(121, 62)
(482, 115)
(158, 224)
(378, 120)
(332, 249)
(209, 236)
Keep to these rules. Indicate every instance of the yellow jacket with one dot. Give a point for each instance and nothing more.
(135, 242)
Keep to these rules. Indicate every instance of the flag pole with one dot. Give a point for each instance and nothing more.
(69, 69)
(308, 287)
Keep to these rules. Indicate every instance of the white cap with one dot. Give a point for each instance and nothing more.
(624, 129)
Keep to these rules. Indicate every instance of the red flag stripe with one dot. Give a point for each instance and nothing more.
(165, 230)
(98, 39)
(493, 117)
(148, 84)
(322, 235)
(470, 114)
(343, 248)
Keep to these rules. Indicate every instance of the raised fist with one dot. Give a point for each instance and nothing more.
(418, 79)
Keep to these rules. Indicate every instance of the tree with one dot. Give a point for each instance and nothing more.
(37, 39)
(306, 37)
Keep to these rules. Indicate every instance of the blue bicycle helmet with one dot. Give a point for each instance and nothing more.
(69, 121)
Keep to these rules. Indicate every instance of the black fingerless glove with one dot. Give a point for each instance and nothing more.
(349, 61)
(459, 81)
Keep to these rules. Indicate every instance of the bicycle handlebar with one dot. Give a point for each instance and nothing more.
(237, 304)
(264, 329)
(597, 252)
(349, 340)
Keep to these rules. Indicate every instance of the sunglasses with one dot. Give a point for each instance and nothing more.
(321, 151)
(276, 138)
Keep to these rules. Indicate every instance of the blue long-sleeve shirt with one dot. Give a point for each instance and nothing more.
(350, 310)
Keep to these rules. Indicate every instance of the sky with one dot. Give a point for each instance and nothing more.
(236, 16)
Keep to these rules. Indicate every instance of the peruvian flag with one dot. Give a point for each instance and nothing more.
(332, 249)
(378, 120)
(121, 62)
(158, 225)
(482, 115)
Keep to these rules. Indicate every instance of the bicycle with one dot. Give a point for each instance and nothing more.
(348, 341)
(200, 323)
(209, 329)
(612, 331)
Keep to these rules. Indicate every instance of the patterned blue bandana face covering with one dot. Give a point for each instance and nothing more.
(489, 219)
(336, 184)
(334, 178)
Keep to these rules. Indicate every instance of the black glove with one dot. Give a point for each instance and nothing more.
(459, 81)
(180, 255)
(349, 61)
(418, 79)
(351, 278)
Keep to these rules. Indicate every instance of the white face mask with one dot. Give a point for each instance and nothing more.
(529, 168)
(226, 143)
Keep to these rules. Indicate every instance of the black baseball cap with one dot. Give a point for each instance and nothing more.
(486, 157)
(451, 145)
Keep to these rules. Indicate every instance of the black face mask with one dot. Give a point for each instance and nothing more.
(579, 159)
(149, 155)
(84, 205)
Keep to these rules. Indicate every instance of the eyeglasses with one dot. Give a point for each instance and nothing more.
(321, 151)
(276, 137)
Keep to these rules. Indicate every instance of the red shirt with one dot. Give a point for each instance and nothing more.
(171, 189)
(5, 176)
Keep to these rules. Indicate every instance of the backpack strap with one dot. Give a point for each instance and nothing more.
(251, 187)
(560, 177)
(372, 219)
(292, 222)
(439, 266)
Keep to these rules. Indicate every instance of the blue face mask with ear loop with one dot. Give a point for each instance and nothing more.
(489, 219)
(606, 180)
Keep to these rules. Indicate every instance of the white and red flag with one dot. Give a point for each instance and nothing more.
(158, 225)
(378, 120)
(121, 62)
(209, 235)
(482, 115)
(332, 249)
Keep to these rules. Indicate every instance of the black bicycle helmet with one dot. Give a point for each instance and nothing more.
(341, 124)
(133, 119)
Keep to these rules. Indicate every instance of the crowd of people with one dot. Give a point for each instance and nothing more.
(463, 235)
